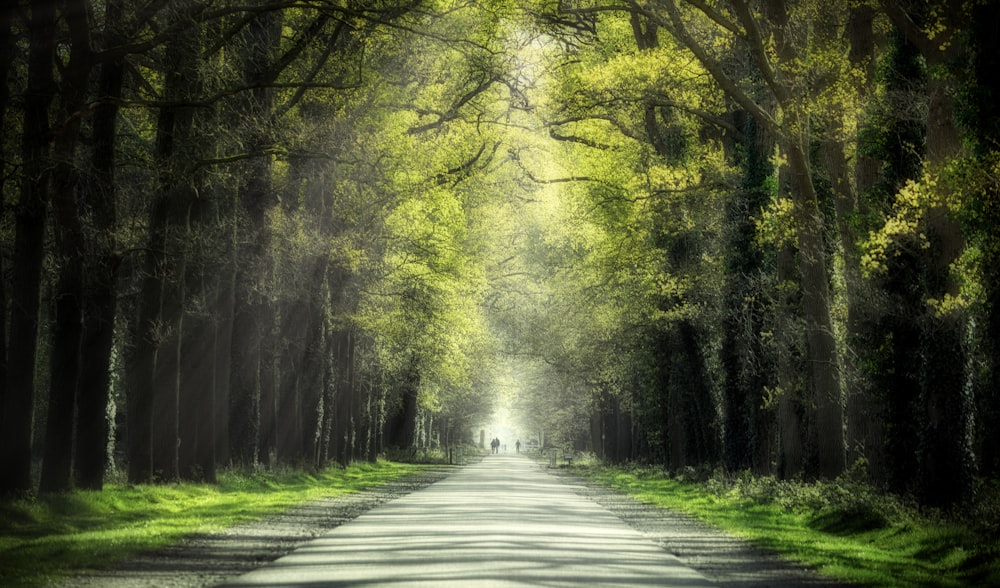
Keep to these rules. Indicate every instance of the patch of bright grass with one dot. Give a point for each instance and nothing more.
(45, 538)
(843, 530)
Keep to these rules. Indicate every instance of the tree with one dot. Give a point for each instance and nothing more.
(101, 270)
(29, 250)
(67, 329)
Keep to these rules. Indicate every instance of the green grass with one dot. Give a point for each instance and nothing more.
(46, 538)
(843, 530)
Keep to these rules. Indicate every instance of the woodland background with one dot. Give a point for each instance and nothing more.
(747, 235)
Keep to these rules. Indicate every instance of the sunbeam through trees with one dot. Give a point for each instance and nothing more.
(737, 235)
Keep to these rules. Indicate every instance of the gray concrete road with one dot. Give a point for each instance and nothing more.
(502, 522)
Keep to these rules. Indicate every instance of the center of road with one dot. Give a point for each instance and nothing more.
(502, 522)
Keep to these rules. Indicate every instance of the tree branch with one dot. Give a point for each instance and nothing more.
(676, 25)
(702, 114)
(756, 42)
(452, 112)
(577, 139)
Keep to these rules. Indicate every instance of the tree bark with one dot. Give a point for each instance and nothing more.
(791, 428)
(986, 60)
(101, 277)
(821, 344)
(140, 369)
(67, 326)
(157, 364)
(7, 48)
(196, 424)
(223, 304)
(864, 440)
(29, 252)
(294, 326)
(252, 311)
(792, 131)
(947, 464)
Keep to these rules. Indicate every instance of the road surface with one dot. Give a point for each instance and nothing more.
(502, 522)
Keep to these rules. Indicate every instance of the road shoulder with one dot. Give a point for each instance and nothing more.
(722, 558)
(212, 558)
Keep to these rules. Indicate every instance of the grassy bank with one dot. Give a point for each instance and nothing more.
(844, 530)
(44, 538)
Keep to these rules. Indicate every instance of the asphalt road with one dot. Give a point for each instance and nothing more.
(502, 522)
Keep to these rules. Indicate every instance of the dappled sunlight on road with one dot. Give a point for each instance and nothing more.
(502, 522)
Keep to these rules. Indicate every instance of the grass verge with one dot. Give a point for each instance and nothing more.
(46, 538)
(843, 530)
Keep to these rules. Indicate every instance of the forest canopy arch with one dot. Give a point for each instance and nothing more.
(756, 235)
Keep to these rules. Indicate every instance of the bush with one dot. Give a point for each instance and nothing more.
(831, 503)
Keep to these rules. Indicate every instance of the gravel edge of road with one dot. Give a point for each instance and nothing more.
(722, 558)
(211, 558)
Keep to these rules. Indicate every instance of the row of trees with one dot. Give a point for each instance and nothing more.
(790, 247)
(242, 232)
(757, 235)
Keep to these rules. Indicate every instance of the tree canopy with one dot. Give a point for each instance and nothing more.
(750, 235)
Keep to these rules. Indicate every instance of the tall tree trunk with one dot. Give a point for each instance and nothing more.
(771, 41)
(294, 326)
(67, 327)
(253, 313)
(401, 423)
(985, 99)
(821, 345)
(354, 408)
(341, 417)
(244, 399)
(223, 303)
(701, 419)
(156, 365)
(892, 330)
(313, 397)
(101, 278)
(140, 369)
(947, 465)
(29, 238)
(196, 424)
(64, 369)
(167, 369)
(746, 360)
(201, 315)
(267, 439)
(865, 442)
(791, 436)
(7, 48)
(177, 151)
(947, 461)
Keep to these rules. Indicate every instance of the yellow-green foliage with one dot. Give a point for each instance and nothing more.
(904, 226)
(907, 227)
(776, 224)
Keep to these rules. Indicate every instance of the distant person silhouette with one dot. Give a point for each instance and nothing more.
(517, 446)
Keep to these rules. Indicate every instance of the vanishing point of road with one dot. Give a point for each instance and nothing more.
(501, 522)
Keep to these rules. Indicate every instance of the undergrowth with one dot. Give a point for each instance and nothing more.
(845, 529)
(438, 455)
(42, 539)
